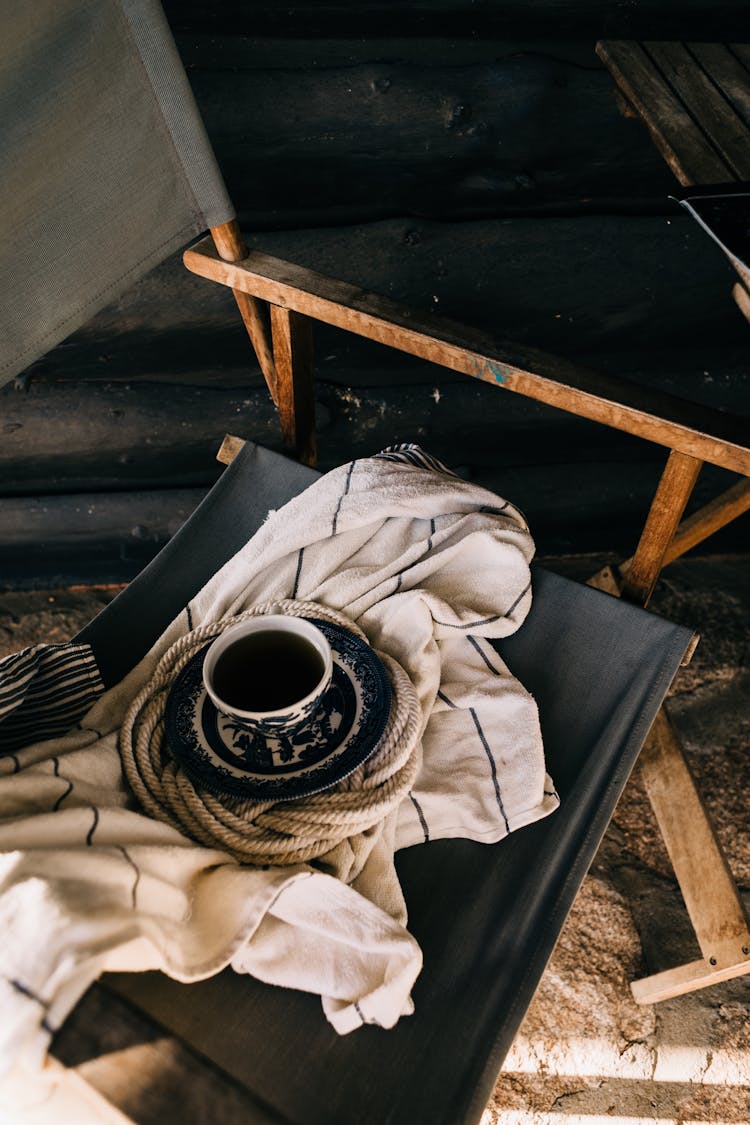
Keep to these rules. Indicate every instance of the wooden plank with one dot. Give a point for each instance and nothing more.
(172, 325)
(728, 72)
(684, 979)
(230, 246)
(80, 437)
(741, 52)
(109, 536)
(387, 137)
(676, 485)
(229, 448)
(709, 519)
(89, 537)
(711, 896)
(698, 527)
(683, 145)
(694, 430)
(293, 354)
(713, 115)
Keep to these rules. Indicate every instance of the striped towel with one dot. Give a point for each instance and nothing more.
(44, 691)
(432, 568)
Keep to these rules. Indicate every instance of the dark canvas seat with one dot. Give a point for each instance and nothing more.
(98, 197)
(487, 917)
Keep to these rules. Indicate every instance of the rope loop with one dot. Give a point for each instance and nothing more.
(256, 831)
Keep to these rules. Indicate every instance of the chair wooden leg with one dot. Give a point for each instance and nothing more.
(291, 333)
(708, 889)
(711, 897)
(228, 241)
(701, 525)
(708, 519)
(673, 493)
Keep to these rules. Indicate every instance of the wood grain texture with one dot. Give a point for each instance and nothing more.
(650, 295)
(231, 445)
(685, 148)
(403, 131)
(293, 356)
(675, 487)
(231, 247)
(696, 431)
(709, 519)
(228, 241)
(714, 116)
(728, 72)
(707, 886)
(698, 527)
(686, 978)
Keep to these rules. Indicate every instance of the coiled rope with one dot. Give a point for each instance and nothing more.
(273, 832)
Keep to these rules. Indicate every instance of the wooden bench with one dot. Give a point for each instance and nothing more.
(700, 124)
(695, 101)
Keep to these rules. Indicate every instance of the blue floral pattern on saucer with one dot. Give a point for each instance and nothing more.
(225, 758)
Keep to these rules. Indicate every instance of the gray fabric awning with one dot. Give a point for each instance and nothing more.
(105, 167)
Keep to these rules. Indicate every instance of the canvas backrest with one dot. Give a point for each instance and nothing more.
(105, 167)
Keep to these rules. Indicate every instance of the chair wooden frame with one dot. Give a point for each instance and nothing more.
(694, 98)
(693, 434)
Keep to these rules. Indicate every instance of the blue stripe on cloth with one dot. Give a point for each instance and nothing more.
(93, 828)
(24, 990)
(347, 484)
(476, 645)
(471, 624)
(488, 752)
(493, 766)
(136, 869)
(295, 588)
(422, 821)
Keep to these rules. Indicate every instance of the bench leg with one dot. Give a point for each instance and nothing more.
(676, 484)
(228, 241)
(708, 888)
(291, 333)
(719, 512)
(711, 897)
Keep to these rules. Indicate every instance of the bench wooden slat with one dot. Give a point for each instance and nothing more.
(690, 428)
(741, 51)
(730, 74)
(713, 115)
(685, 148)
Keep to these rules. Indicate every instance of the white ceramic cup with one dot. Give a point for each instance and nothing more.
(291, 642)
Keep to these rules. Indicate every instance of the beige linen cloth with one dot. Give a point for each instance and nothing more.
(430, 567)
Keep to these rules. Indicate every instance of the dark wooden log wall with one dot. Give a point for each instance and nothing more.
(467, 157)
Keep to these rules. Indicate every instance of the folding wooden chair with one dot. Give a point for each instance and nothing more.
(487, 917)
(693, 434)
(695, 100)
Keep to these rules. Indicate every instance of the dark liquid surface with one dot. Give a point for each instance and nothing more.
(267, 670)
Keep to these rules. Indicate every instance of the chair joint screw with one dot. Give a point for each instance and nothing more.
(712, 960)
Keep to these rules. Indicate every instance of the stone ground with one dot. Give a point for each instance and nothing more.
(586, 1052)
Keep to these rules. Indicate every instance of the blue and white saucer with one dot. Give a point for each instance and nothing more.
(227, 759)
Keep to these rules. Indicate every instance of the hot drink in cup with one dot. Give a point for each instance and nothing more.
(269, 673)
